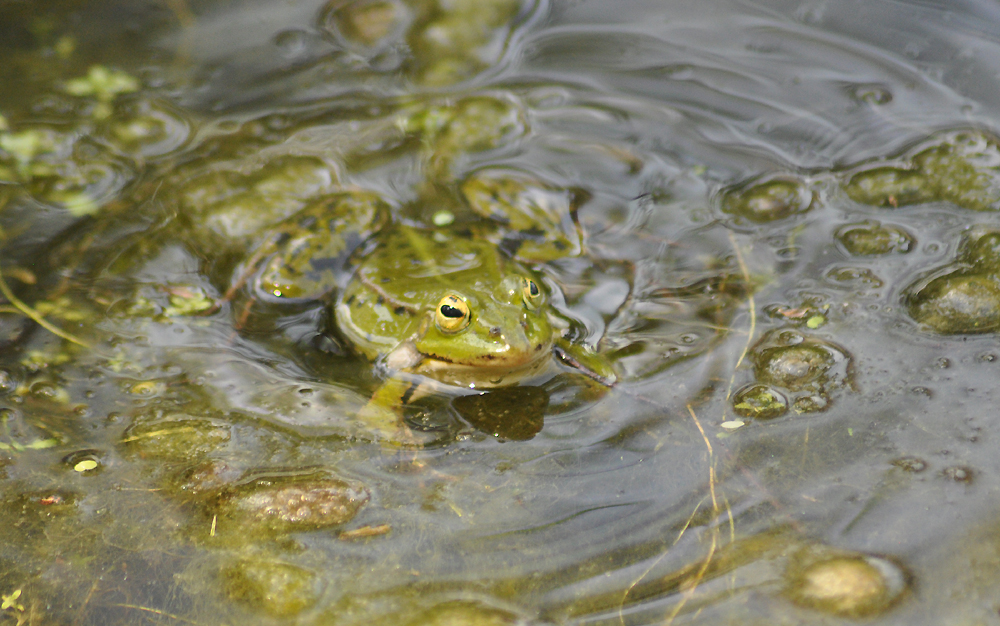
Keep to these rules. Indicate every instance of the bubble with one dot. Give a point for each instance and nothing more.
(958, 473)
(910, 464)
(8, 382)
(292, 43)
(48, 390)
(365, 23)
(810, 404)
(146, 388)
(870, 93)
(84, 461)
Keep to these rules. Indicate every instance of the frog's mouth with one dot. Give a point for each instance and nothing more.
(487, 370)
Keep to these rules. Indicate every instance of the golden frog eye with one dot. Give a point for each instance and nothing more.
(532, 294)
(452, 314)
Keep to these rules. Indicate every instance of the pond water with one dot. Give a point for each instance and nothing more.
(766, 232)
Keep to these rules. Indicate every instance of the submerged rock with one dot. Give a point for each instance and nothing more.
(759, 402)
(278, 588)
(957, 303)
(844, 583)
(176, 437)
(961, 167)
(872, 238)
(805, 368)
(768, 200)
(793, 367)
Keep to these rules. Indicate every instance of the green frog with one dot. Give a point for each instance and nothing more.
(431, 307)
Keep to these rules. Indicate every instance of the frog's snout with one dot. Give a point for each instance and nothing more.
(496, 331)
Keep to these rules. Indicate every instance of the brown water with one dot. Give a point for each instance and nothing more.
(782, 221)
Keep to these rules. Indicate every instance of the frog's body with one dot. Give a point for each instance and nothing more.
(392, 308)
(430, 306)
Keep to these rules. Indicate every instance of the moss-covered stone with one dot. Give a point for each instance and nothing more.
(274, 587)
(872, 238)
(759, 402)
(961, 167)
(957, 303)
(846, 584)
(176, 437)
(768, 200)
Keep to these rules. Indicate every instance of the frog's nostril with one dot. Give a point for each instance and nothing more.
(495, 331)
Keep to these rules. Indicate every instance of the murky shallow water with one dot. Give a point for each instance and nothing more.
(788, 214)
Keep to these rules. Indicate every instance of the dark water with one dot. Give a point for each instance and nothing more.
(785, 222)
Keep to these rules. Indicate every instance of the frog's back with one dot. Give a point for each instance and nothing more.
(399, 281)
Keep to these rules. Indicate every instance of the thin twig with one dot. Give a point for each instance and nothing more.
(35, 316)
(156, 612)
(715, 529)
(752, 304)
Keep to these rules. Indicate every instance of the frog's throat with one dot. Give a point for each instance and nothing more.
(484, 371)
(480, 376)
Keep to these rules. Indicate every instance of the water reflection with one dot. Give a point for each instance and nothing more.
(512, 413)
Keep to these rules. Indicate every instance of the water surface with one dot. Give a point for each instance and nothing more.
(786, 215)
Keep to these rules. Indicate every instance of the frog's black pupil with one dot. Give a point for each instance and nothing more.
(450, 311)
(532, 288)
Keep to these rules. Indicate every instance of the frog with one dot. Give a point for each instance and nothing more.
(431, 307)
(537, 219)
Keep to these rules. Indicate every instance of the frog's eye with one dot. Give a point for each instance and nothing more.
(452, 314)
(532, 294)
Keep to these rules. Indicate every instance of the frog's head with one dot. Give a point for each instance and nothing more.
(504, 327)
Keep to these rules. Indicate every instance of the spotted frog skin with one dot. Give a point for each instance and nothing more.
(449, 307)
(429, 306)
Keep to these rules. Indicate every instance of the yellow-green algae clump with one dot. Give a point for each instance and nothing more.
(961, 167)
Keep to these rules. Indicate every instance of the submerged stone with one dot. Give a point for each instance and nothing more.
(793, 367)
(844, 583)
(460, 39)
(205, 478)
(961, 167)
(806, 369)
(277, 588)
(176, 437)
(888, 186)
(871, 238)
(957, 303)
(768, 200)
(982, 252)
(759, 402)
